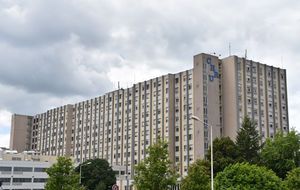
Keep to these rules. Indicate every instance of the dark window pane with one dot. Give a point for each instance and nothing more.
(22, 180)
(39, 180)
(22, 169)
(39, 169)
(5, 180)
(5, 169)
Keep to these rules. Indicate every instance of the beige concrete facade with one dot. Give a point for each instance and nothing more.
(230, 97)
(257, 90)
(120, 125)
(20, 135)
(207, 101)
(51, 132)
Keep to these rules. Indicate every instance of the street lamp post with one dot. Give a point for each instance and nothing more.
(80, 170)
(211, 150)
(127, 181)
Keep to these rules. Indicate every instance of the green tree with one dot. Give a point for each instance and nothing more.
(247, 141)
(198, 177)
(62, 176)
(282, 153)
(224, 152)
(101, 186)
(292, 181)
(155, 172)
(96, 174)
(247, 176)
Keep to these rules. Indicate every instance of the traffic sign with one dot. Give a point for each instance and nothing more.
(115, 187)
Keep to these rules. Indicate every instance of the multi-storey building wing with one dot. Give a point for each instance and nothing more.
(51, 131)
(120, 125)
(20, 136)
(207, 101)
(256, 90)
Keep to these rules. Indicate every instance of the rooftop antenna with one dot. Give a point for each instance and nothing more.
(118, 85)
(229, 49)
(245, 53)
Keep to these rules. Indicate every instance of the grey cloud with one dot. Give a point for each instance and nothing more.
(147, 33)
(46, 22)
(63, 69)
(17, 100)
(58, 49)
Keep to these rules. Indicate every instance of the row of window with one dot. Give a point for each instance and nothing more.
(21, 169)
(23, 180)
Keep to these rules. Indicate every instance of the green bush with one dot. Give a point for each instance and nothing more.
(247, 176)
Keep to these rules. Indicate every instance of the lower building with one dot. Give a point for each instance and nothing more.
(24, 171)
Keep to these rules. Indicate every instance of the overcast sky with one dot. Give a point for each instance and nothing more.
(54, 52)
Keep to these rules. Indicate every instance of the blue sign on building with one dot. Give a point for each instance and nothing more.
(214, 72)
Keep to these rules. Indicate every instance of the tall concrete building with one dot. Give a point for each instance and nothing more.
(120, 125)
(20, 136)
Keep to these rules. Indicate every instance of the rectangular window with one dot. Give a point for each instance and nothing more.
(22, 180)
(40, 180)
(5, 169)
(5, 181)
(22, 169)
(39, 169)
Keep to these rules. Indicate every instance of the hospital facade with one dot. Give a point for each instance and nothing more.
(120, 125)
